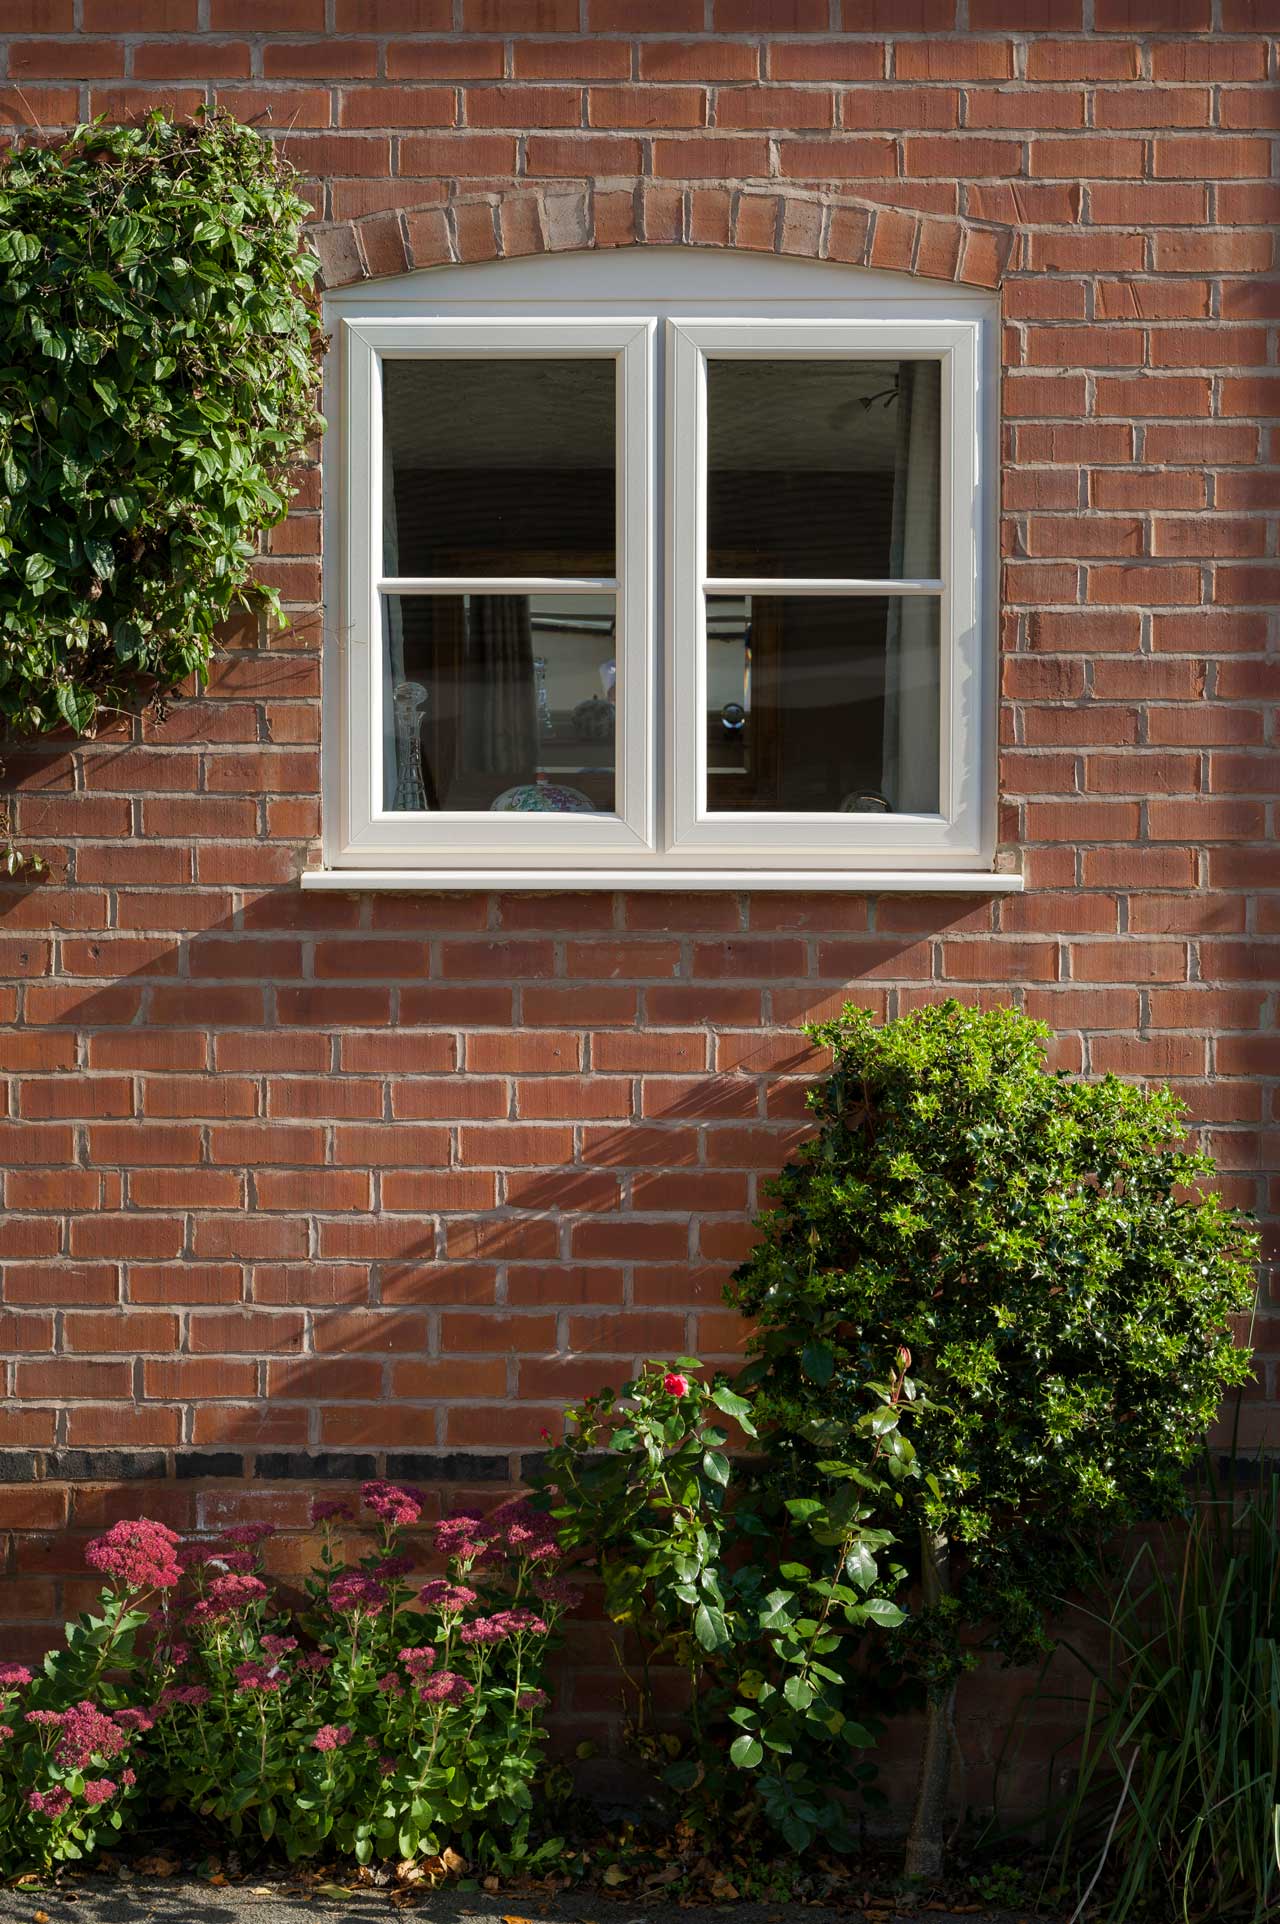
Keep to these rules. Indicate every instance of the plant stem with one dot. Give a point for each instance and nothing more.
(924, 1853)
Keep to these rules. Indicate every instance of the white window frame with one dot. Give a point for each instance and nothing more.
(814, 839)
(375, 834)
(658, 312)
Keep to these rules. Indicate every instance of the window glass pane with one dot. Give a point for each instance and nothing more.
(498, 466)
(818, 704)
(499, 702)
(823, 468)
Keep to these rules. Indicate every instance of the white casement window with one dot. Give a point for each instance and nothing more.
(659, 569)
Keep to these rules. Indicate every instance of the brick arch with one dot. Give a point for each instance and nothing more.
(548, 219)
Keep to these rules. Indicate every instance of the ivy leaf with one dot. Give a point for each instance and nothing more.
(75, 705)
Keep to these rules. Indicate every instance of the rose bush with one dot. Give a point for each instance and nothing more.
(759, 1586)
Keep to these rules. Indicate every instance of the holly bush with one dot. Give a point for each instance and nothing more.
(159, 370)
(1049, 1252)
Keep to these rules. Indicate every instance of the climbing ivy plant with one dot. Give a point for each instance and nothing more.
(159, 371)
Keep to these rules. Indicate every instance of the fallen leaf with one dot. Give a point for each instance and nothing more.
(330, 1890)
(156, 1866)
(40, 1917)
(489, 1884)
(614, 1875)
(454, 1861)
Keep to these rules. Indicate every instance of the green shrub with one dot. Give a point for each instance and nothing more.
(1043, 1248)
(159, 366)
(759, 1594)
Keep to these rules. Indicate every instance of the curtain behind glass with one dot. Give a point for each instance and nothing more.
(911, 691)
(499, 704)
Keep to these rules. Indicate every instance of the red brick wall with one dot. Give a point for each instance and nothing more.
(293, 1174)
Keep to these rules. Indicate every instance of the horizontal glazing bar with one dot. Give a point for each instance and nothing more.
(814, 585)
(498, 585)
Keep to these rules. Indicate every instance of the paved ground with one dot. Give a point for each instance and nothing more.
(174, 1901)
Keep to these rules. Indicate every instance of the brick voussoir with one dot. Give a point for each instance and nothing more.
(632, 212)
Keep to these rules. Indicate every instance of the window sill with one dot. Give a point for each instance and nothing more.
(862, 881)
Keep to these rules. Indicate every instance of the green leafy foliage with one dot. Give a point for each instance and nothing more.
(1174, 1803)
(1046, 1250)
(762, 1596)
(159, 367)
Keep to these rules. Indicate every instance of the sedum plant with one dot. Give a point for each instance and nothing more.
(383, 1718)
(388, 1718)
(761, 1597)
(1046, 1250)
(159, 369)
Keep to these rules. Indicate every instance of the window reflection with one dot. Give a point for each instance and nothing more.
(512, 706)
(818, 704)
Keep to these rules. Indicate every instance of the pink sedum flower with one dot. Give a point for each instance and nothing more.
(357, 1596)
(503, 1624)
(675, 1384)
(247, 1536)
(99, 1790)
(255, 1676)
(278, 1647)
(135, 1719)
(327, 1510)
(13, 1676)
(86, 1732)
(419, 1660)
(461, 1534)
(226, 1596)
(137, 1552)
(240, 1562)
(49, 1803)
(553, 1589)
(393, 1502)
(331, 1737)
(445, 1687)
(448, 1598)
(190, 1695)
